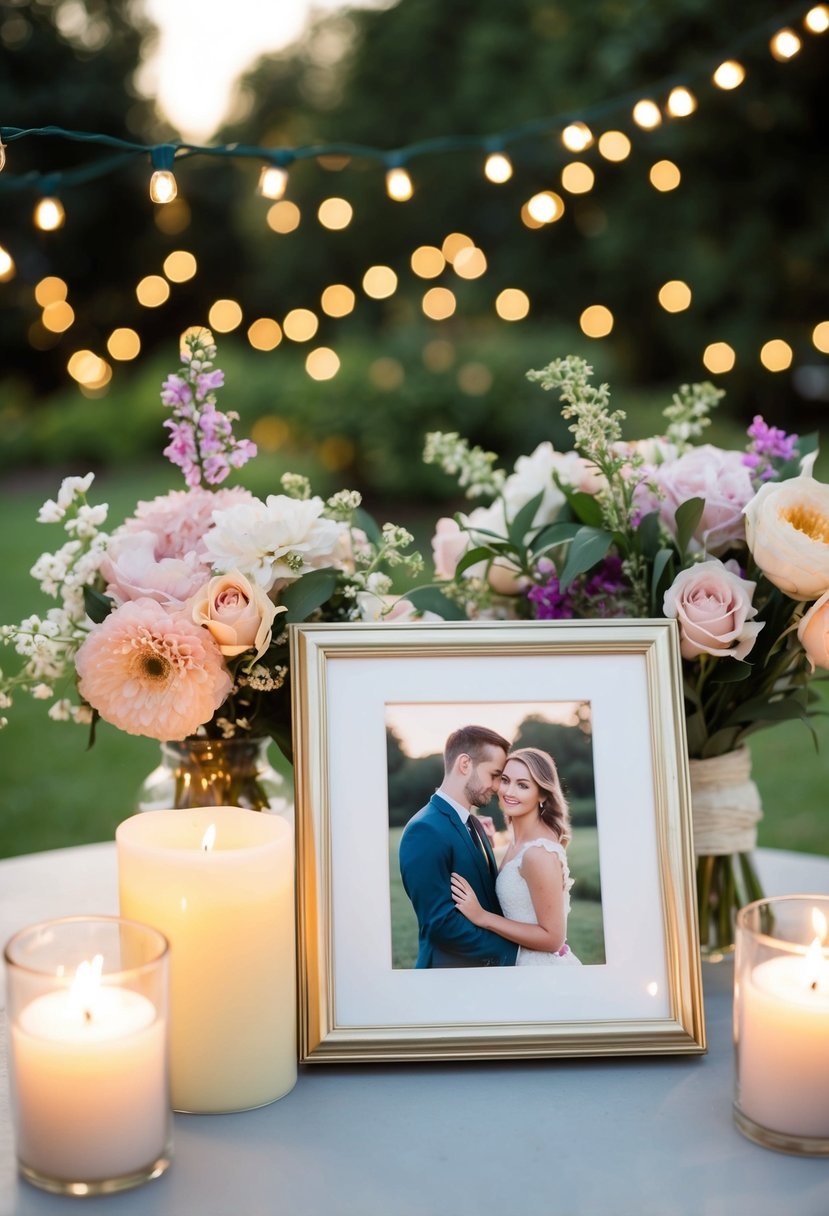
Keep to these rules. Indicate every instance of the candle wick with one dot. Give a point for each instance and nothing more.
(87, 1015)
(813, 985)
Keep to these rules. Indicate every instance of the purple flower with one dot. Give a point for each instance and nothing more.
(548, 602)
(768, 444)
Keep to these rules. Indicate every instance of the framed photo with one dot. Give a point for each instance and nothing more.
(559, 918)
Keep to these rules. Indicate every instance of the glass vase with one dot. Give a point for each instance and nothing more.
(217, 772)
(726, 809)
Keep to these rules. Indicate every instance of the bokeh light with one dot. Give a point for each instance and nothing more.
(470, 263)
(439, 303)
(50, 290)
(379, 282)
(386, 373)
(283, 217)
(179, 266)
(438, 355)
(577, 137)
(785, 45)
(647, 114)
(474, 379)
(681, 102)
(427, 262)
(337, 300)
(300, 325)
(322, 363)
(124, 344)
(817, 19)
(498, 168)
(596, 321)
(546, 207)
(577, 177)
(152, 291)
(776, 355)
(614, 145)
(335, 213)
(719, 358)
(820, 337)
(49, 214)
(225, 316)
(729, 75)
(58, 316)
(399, 185)
(665, 175)
(7, 266)
(512, 304)
(454, 243)
(264, 334)
(174, 218)
(675, 295)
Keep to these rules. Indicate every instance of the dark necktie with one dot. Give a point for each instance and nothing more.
(478, 835)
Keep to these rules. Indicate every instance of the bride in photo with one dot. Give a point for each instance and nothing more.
(534, 882)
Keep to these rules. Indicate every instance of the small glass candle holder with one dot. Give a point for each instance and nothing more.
(87, 1017)
(781, 1024)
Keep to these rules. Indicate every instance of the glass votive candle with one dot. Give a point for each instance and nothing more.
(87, 1017)
(781, 1024)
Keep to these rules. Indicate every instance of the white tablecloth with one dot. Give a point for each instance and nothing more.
(616, 1137)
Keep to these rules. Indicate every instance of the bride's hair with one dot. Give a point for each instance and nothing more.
(553, 807)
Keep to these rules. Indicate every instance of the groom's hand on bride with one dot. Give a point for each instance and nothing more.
(466, 901)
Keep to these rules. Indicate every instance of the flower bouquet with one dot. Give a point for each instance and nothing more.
(173, 625)
(733, 545)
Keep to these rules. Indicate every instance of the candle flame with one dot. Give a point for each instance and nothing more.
(86, 985)
(815, 966)
(209, 838)
(819, 924)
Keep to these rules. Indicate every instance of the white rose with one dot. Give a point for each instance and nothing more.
(787, 529)
(713, 607)
(534, 475)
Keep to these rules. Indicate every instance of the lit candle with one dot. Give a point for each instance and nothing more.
(226, 906)
(782, 1032)
(89, 1073)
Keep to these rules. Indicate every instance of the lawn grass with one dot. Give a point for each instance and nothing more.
(53, 793)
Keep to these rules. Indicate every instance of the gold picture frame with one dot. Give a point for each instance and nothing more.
(355, 1005)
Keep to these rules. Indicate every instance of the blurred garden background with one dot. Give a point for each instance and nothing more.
(686, 243)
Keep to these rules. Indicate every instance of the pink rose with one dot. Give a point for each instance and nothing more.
(722, 480)
(713, 607)
(134, 569)
(813, 632)
(449, 544)
(236, 612)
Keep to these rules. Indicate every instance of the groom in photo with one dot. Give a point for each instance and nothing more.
(444, 836)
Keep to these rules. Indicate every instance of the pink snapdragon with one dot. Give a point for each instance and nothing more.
(201, 436)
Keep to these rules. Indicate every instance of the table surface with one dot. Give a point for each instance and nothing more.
(641, 1136)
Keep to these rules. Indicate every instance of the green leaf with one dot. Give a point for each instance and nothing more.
(518, 528)
(687, 516)
(369, 525)
(589, 546)
(481, 553)
(586, 508)
(757, 710)
(308, 593)
(648, 534)
(553, 534)
(730, 671)
(97, 605)
(432, 599)
(661, 563)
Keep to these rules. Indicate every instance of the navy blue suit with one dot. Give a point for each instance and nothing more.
(434, 843)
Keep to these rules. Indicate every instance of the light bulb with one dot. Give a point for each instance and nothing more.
(817, 19)
(784, 45)
(646, 114)
(163, 188)
(7, 267)
(2, 156)
(273, 182)
(577, 136)
(49, 214)
(498, 168)
(729, 75)
(399, 185)
(681, 102)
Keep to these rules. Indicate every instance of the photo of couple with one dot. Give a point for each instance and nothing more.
(484, 897)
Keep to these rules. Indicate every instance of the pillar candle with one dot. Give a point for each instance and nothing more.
(218, 882)
(783, 1037)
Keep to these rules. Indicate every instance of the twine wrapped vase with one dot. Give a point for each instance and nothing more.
(726, 810)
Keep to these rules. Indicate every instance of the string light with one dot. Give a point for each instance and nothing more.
(785, 45)
(498, 168)
(681, 102)
(577, 137)
(163, 188)
(273, 182)
(546, 207)
(49, 214)
(729, 75)
(399, 185)
(817, 19)
(2, 156)
(614, 145)
(7, 267)
(646, 114)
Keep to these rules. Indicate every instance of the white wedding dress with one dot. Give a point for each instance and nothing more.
(516, 902)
